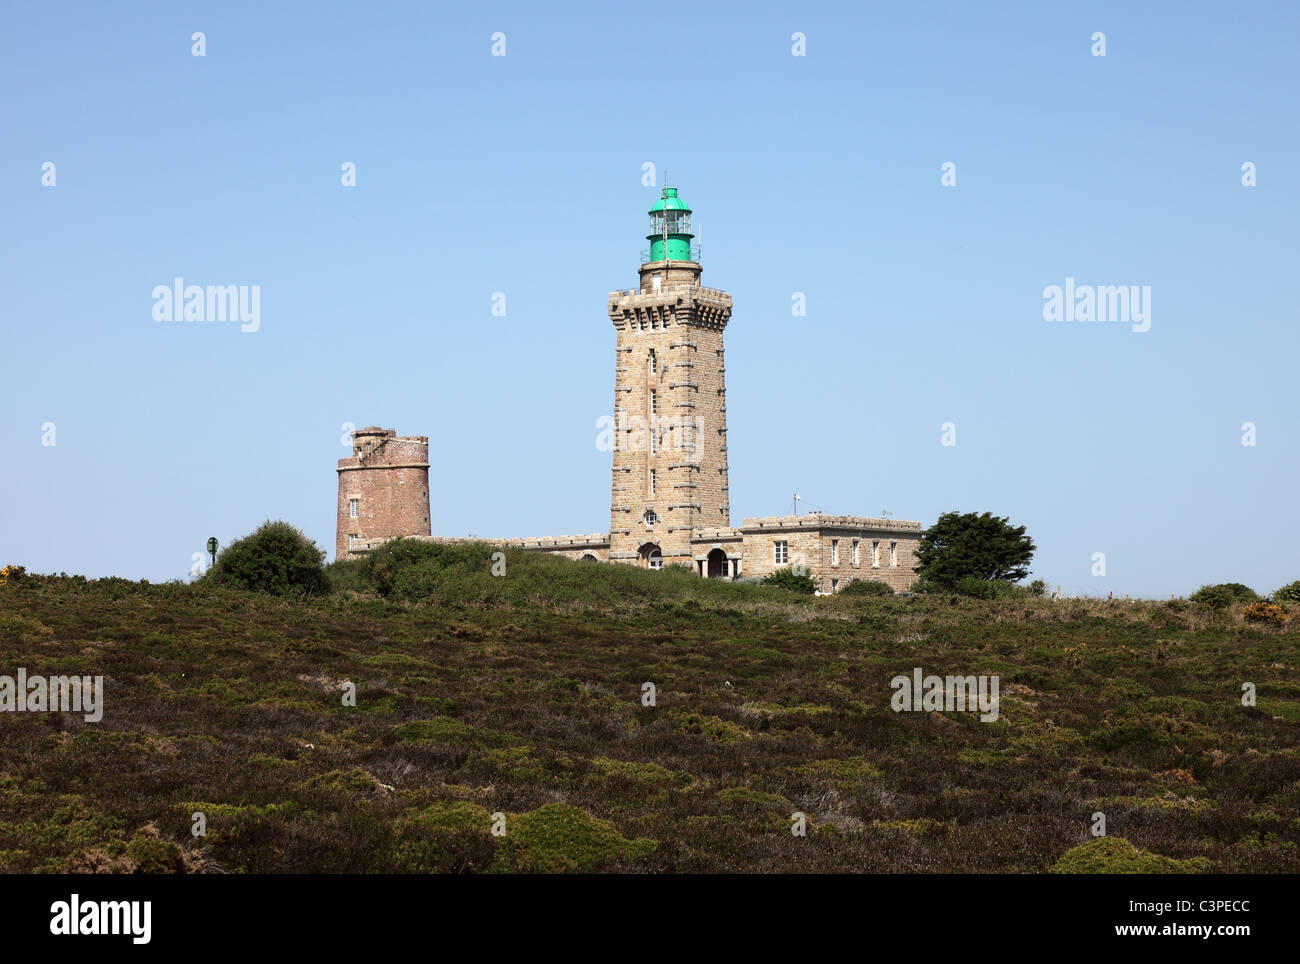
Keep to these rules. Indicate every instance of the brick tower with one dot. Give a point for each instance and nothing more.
(670, 448)
(383, 488)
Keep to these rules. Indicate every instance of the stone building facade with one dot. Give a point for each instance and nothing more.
(670, 494)
(383, 489)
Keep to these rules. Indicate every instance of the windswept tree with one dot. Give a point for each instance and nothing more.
(973, 546)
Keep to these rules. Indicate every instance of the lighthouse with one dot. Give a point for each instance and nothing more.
(670, 448)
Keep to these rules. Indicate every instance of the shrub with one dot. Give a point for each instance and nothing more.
(867, 587)
(412, 569)
(1268, 613)
(990, 588)
(789, 579)
(11, 574)
(560, 838)
(1038, 588)
(1115, 855)
(277, 558)
(1223, 595)
(1290, 593)
(449, 837)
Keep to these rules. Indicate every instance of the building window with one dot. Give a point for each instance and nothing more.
(780, 552)
(654, 362)
(875, 554)
(352, 539)
(652, 481)
(835, 552)
(893, 554)
(855, 552)
(354, 508)
(651, 517)
(655, 559)
(654, 402)
(835, 584)
(654, 441)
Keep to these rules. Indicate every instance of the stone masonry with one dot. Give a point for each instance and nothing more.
(670, 440)
(670, 499)
(383, 489)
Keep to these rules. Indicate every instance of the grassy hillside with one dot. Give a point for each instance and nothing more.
(521, 694)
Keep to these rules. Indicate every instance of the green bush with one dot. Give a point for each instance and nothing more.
(1115, 855)
(866, 587)
(990, 588)
(1290, 593)
(789, 579)
(412, 569)
(276, 558)
(1038, 588)
(1223, 595)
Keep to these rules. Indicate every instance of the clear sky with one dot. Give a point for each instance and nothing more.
(522, 174)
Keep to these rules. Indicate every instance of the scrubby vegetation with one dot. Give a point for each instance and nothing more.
(276, 558)
(1290, 593)
(519, 700)
(789, 579)
(1223, 595)
(867, 587)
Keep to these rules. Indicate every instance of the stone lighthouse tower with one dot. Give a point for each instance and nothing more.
(670, 403)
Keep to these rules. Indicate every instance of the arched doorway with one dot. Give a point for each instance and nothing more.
(716, 565)
(651, 557)
(588, 557)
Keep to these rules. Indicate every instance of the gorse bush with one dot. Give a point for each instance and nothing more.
(1270, 614)
(276, 558)
(1223, 595)
(866, 587)
(789, 579)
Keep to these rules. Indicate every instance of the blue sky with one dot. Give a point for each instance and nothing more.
(522, 174)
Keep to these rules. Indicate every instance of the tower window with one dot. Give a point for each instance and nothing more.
(654, 445)
(875, 554)
(855, 552)
(652, 481)
(352, 539)
(893, 554)
(354, 508)
(655, 559)
(835, 552)
(651, 517)
(654, 362)
(654, 402)
(780, 552)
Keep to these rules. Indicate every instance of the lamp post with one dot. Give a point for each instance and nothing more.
(796, 504)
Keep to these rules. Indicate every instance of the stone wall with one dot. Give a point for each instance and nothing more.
(670, 452)
(824, 544)
(388, 476)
